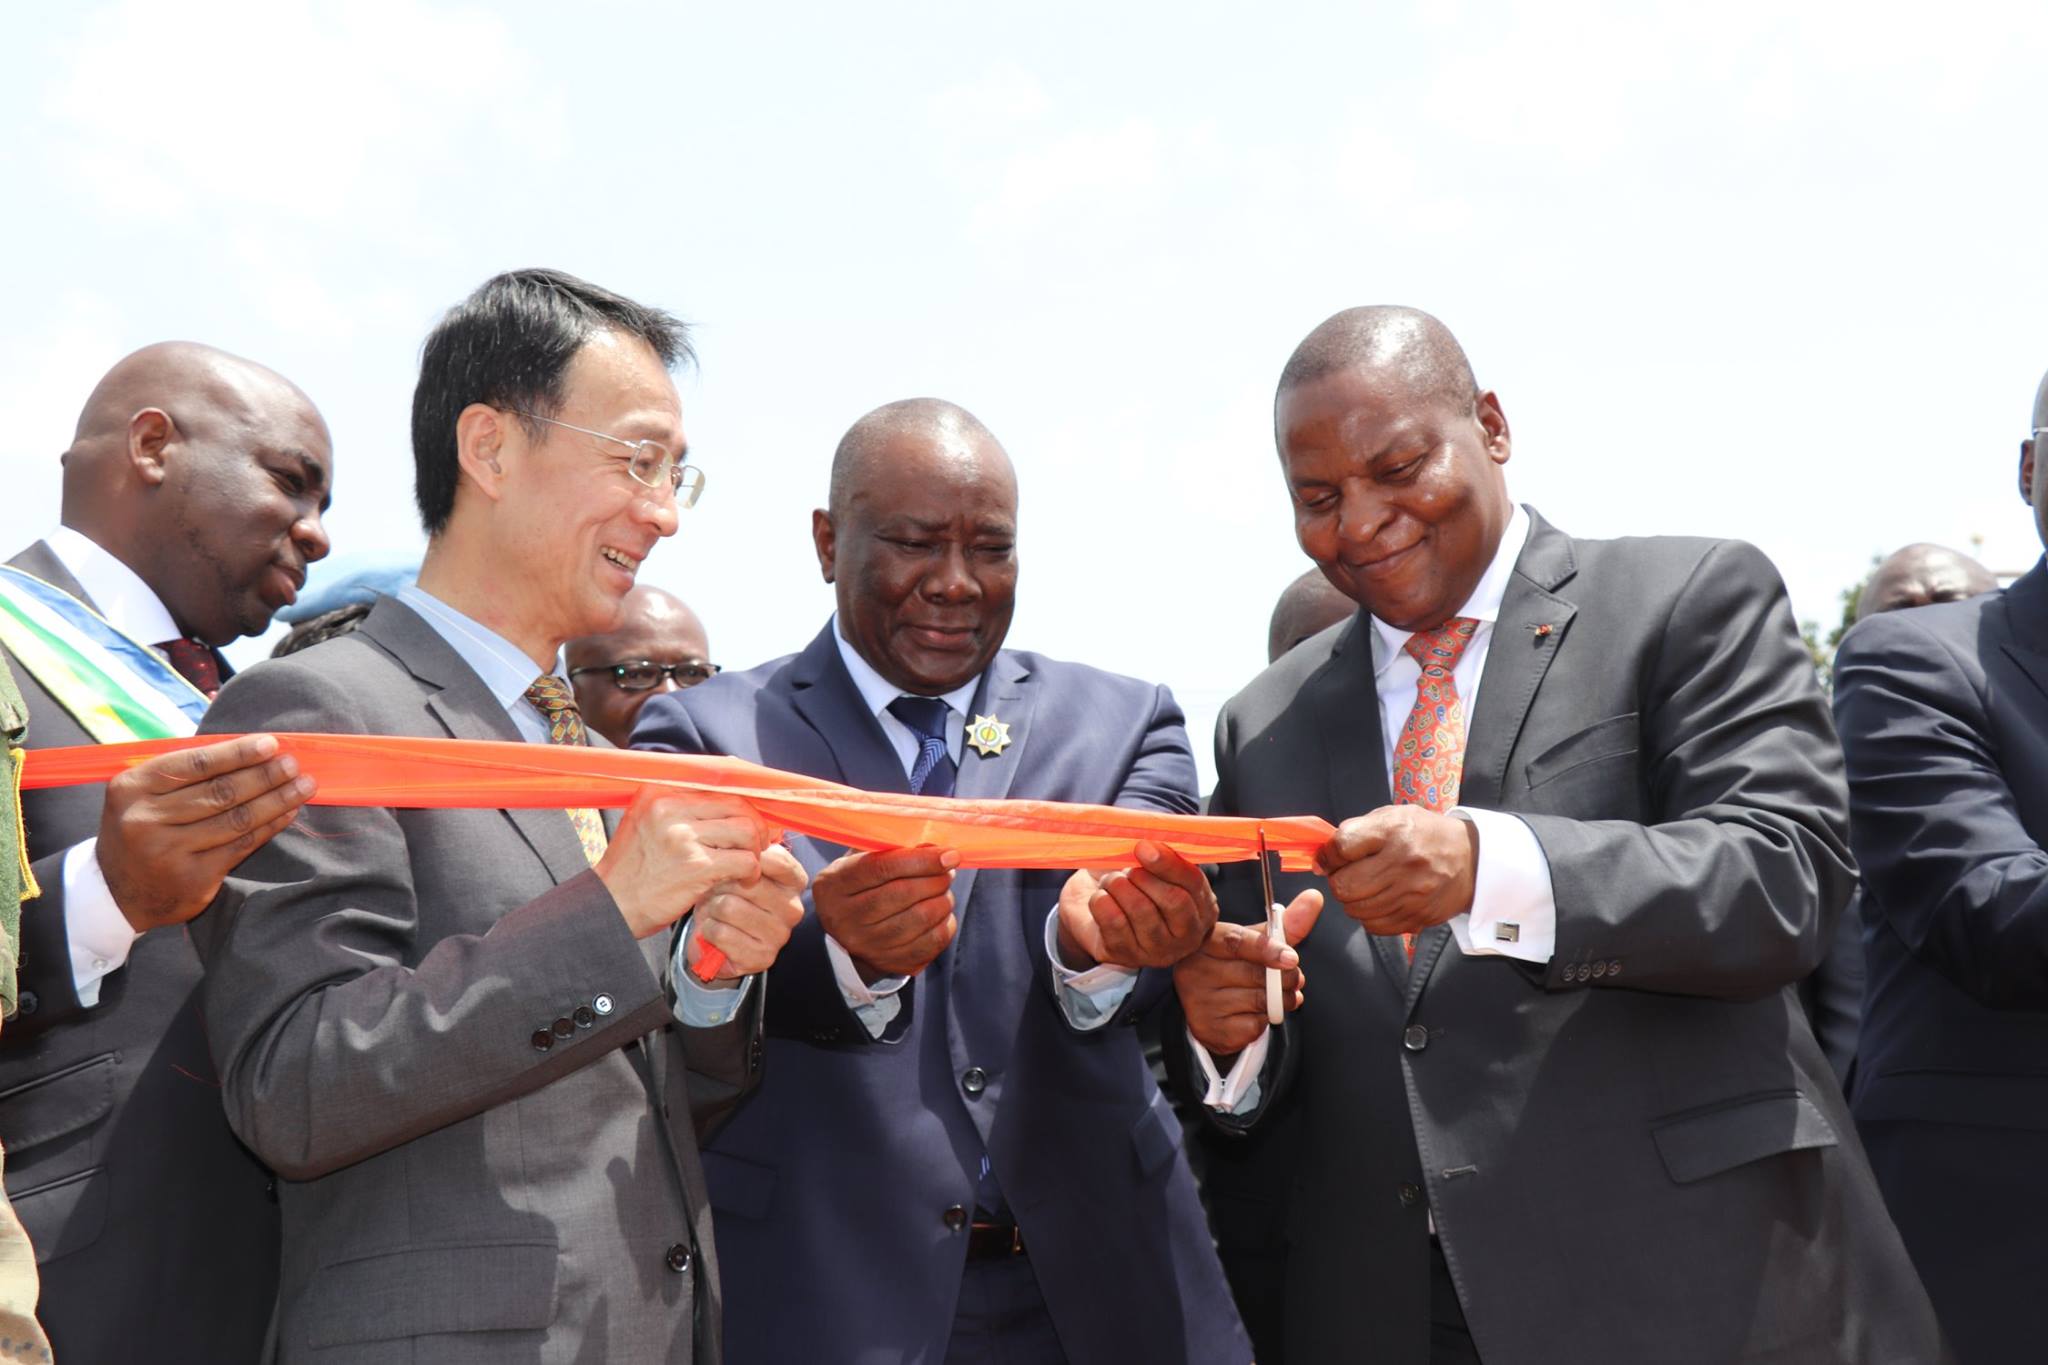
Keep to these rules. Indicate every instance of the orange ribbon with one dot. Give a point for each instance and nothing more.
(383, 770)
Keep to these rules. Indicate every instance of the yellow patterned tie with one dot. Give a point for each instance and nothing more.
(551, 697)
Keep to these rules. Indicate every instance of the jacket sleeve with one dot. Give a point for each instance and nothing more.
(1948, 864)
(804, 1001)
(330, 1047)
(1731, 884)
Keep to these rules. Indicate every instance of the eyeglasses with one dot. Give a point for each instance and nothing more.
(643, 675)
(650, 463)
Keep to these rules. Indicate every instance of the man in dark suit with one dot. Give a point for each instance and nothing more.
(1944, 717)
(193, 492)
(449, 1031)
(958, 1153)
(1556, 1098)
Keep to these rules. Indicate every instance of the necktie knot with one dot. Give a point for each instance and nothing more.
(933, 772)
(1439, 650)
(194, 661)
(551, 697)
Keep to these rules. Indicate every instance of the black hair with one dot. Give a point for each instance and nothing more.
(509, 344)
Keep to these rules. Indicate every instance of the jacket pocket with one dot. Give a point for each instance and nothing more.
(421, 1291)
(745, 1189)
(63, 1216)
(1615, 737)
(1697, 1145)
(58, 1104)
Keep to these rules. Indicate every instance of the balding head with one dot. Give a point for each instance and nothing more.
(1920, 574)
(1308, 606)
(207, 474)
(655, 627)
(920, 541)
(1388, 340)
(941, 431)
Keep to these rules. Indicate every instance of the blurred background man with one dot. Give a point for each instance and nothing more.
(658, 647)
(194, 487)
(1943, 712)
(1307, 606)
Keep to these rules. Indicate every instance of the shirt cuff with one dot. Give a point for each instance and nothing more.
(701, 1004)
(99, 934)
(1514, 909)
(873, 1003)
(1088, 998)
(1238, 1093)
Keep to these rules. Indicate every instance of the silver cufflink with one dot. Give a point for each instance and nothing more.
(1507, 933)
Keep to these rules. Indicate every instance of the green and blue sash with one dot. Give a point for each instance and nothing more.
(116, 687)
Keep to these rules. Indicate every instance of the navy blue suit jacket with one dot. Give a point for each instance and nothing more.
(1943, 712)
(832, 1184)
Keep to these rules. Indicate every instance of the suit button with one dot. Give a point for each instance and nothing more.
(1415, 1038)
(1614, 967)
(603, 1005)
(583, 1017)
(974, 1080)
(563, 1028)
(26, 1003)
(1411, 1195)
(542, 1040)
(678, 1258)
(1599, 970)
(955, 1218)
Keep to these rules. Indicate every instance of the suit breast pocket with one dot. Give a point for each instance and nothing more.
(1592, 774)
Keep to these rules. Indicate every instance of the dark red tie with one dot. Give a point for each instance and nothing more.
(194, 659)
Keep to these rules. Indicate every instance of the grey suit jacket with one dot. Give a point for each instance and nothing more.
(150, 1222)
(435, 1026)
(1635, 1152)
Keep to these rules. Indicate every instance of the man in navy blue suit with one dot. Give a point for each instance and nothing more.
(1943, 711)
(957, 1153)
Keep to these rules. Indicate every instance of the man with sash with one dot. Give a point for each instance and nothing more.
(192, 496)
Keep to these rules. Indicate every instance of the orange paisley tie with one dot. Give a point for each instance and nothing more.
(1430, 754)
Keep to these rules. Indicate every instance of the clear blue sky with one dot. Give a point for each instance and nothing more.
(1759, 270)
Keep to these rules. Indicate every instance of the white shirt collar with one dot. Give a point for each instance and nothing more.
(877, 691)
(130, 605)
(1487, 594)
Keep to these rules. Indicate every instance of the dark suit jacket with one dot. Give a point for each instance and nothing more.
(833, 1183)
(1636, 1151)
(151, 1223)
(1944, 716)
(435, 1026)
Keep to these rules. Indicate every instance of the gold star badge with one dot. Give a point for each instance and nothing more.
(988, 735)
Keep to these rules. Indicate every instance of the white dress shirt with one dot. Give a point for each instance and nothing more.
(99, 935)
(1514, 911)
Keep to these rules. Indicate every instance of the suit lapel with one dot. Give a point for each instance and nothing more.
(39, 559)
(1007, 694)
(467, 710)
(2026, 620)
(1527, 634)
(1345, 702)
(823, 693)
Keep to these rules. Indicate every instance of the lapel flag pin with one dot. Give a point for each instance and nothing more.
(1541, 630)
(988, 735)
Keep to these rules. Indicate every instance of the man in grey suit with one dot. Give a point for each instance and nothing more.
(449, 1031)
(1556, 1098)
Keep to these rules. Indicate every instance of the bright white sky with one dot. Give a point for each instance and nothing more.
(1744, 269)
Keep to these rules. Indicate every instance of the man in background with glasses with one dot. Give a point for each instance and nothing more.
(659, 646)
(449, 1032)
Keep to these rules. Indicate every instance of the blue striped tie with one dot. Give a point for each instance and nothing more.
(933, 773)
